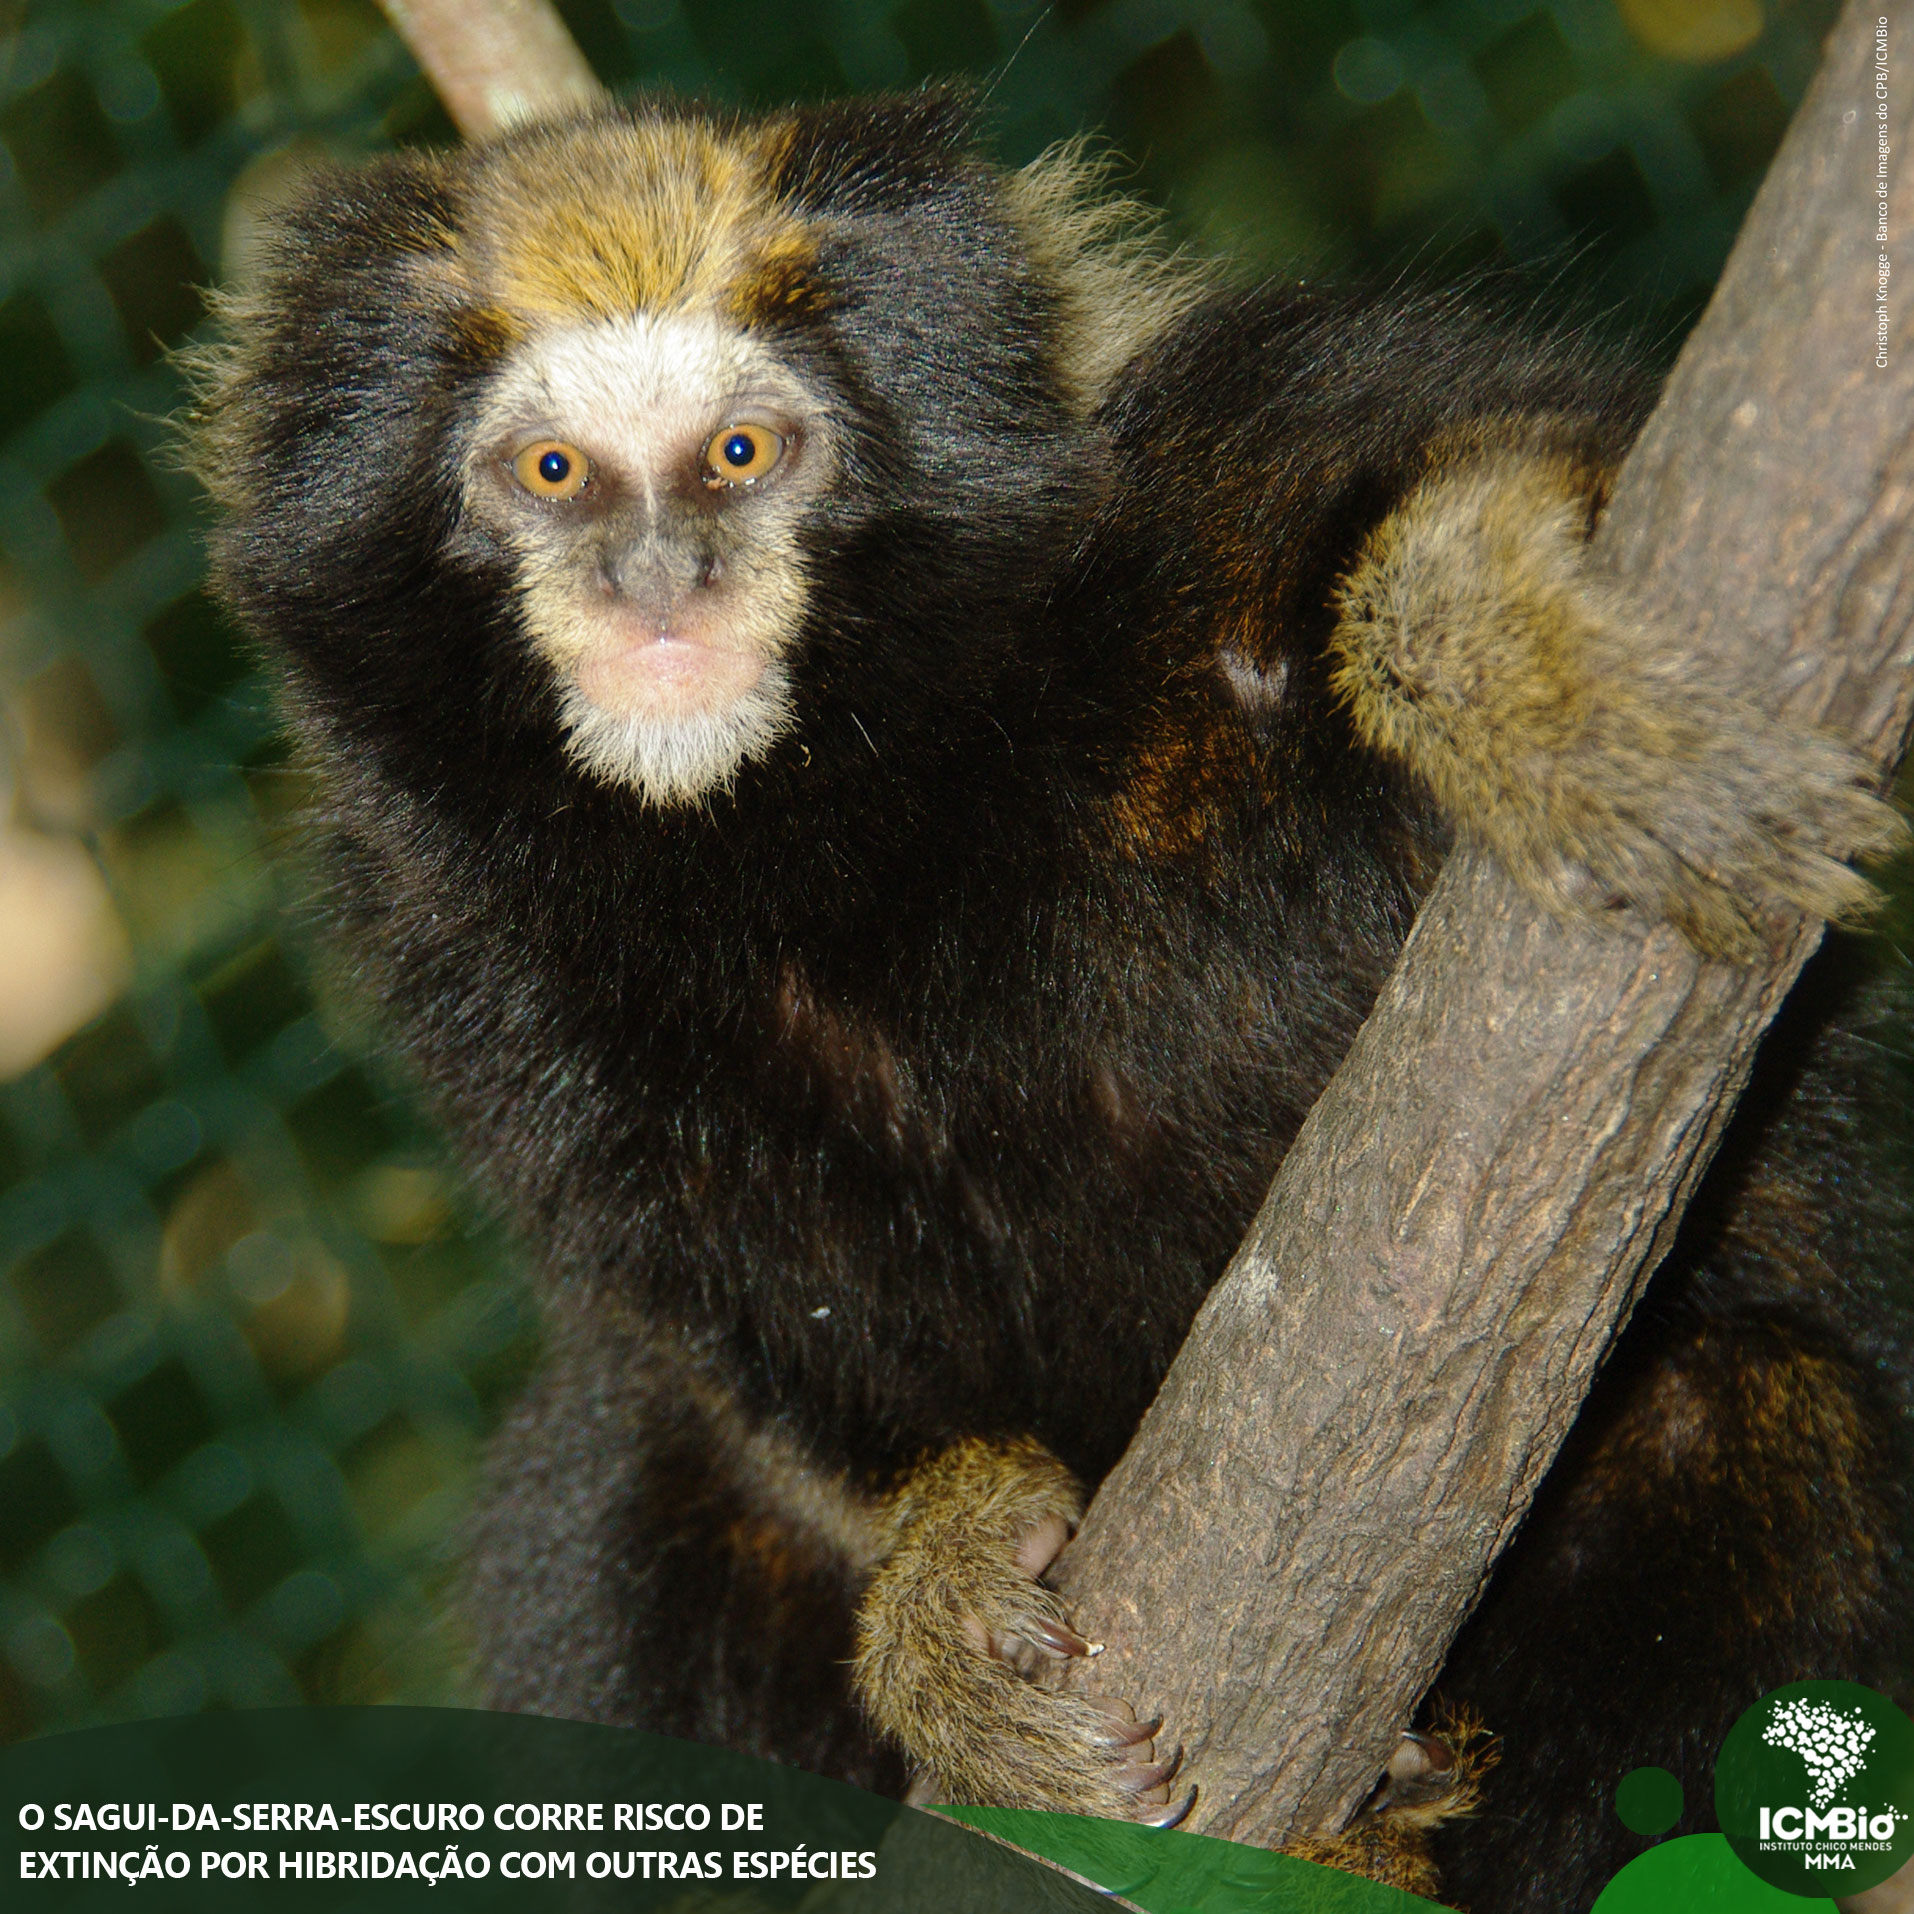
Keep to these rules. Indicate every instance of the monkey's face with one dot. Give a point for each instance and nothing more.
(706, 451)
(650, 476)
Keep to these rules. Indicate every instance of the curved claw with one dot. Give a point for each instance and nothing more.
(1173, 1815)
(1147, 1780)
(1422, 1767)
(1127, 1734)
(1055, 1637)
(1419, 1753)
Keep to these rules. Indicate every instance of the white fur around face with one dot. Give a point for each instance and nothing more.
(683, 759)
(673, 679)
(646, 390)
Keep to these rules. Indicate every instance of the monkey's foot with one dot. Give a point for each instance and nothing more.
(955, 1622)
(1432, 1777)
(1593, 754)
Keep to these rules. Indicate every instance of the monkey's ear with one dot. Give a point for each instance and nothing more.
(357, 278)
(879, 155)
(362, 218)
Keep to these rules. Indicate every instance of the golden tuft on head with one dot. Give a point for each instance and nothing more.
(1117, 286)
(608, 216)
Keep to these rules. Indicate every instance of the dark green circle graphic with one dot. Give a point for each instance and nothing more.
(1815, 1788)
(1648, 1800)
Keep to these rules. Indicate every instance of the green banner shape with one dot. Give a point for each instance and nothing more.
(1695, 1874)
(1170, 1872)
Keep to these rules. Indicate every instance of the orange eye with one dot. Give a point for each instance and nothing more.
(549, 468)
(741, 453)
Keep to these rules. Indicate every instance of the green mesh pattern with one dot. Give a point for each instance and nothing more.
(251, 1333)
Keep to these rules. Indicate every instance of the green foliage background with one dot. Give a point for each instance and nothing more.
(251, 1333)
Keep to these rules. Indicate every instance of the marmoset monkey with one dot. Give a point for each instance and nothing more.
(880, 734)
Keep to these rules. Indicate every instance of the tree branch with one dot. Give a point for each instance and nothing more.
(1370, 1396)
(495, 61)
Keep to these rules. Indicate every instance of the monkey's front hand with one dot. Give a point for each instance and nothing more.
(954, 1616)
(1591, 754)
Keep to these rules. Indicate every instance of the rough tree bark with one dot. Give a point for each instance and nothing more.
(1372, 1393)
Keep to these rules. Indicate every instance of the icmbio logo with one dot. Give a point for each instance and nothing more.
(1815, 1788)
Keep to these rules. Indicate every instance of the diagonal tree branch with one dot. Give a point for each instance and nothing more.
(495, 61)
(1369, 1398)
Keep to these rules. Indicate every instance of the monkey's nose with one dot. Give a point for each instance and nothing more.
(652, 575)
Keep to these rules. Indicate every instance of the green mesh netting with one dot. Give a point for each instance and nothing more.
(251, 1335)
